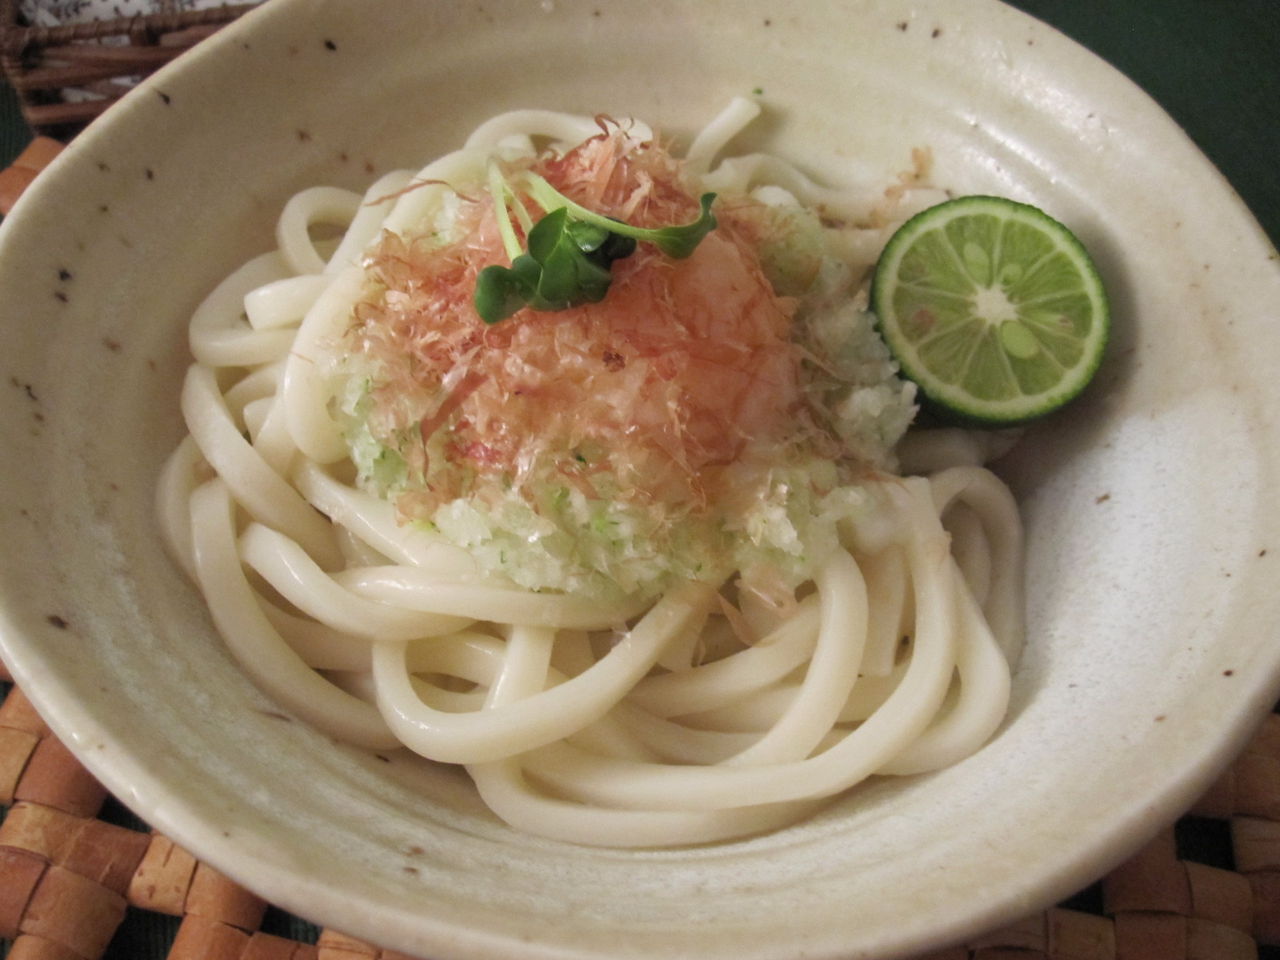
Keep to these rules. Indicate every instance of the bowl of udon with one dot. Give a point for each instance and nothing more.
(454, 484)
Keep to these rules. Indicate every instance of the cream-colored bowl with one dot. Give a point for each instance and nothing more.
(1153, 508)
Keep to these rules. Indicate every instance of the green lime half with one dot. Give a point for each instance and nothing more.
(992, 307)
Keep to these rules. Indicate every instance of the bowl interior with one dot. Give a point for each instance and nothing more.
(1150, 507)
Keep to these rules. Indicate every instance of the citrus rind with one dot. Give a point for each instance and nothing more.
(993, 308)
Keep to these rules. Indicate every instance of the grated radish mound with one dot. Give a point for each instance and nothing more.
(693, 423)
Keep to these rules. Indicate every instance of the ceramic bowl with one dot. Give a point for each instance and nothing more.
(1152, 508)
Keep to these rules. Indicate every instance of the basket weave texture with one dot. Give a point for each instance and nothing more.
(96, 59)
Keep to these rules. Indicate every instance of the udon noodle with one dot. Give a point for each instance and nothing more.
(697, 714)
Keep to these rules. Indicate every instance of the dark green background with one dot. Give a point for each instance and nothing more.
(1214, 65)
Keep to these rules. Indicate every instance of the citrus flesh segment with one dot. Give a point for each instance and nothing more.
(992, 307)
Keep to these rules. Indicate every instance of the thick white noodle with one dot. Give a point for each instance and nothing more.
(315, 205)
(715, 136)
(319, 646)
(272, 663)
(704, 716)
(980, 704)
(992, 502)
(304, 391)
(284, 302)
(551, 715)
(610, 782)
(367, 223)
(562, 129)
(178, 481)
(886, 576)
(220, 334)
(935, 449)
(832, 670)
(267, 496)
(297, 578)
(736, 676)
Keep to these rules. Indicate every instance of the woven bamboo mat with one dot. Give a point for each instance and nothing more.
(67, 75)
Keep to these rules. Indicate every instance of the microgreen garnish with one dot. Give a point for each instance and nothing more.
(567, 264)
(571, 251)
(675, 241)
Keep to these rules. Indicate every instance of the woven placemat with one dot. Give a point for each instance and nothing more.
(80, 878)
(67, 75)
